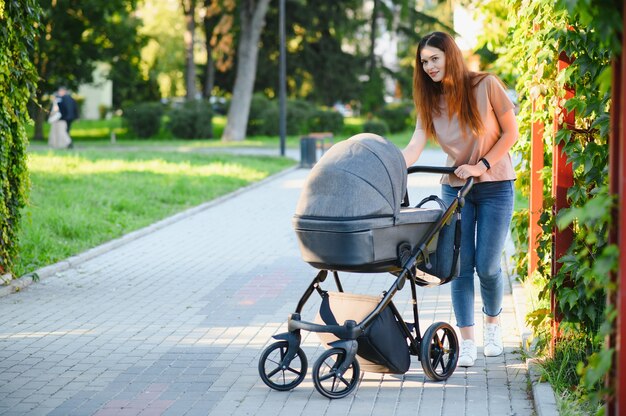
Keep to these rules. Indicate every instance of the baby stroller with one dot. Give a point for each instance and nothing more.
(354, 216)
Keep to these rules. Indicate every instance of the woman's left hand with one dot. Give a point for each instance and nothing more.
(468, 171)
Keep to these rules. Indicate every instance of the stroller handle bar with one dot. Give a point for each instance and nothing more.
(443, 170)
(431, 169)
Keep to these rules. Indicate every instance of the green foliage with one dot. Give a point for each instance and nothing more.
(256, 118)
(302, 117)
(144, 119)
(375, 126)
(326, 120)
(397, 116)
(19, 21)
(192, 120)
(319, 68)
(298, 114)
(79, 34)
(587, 33)
(372, 97)
(561, 371)
(329, 52)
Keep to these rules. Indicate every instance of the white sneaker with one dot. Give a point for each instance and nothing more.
(493, 340)
(468, 353)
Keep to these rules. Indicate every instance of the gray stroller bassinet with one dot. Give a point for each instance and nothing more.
(350, 215)
(354, 215)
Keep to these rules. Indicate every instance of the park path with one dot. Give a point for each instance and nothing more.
(173, 322)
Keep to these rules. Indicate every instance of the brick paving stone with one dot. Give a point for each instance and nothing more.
(178, 318)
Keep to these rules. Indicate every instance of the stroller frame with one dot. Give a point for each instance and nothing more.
(336, 373)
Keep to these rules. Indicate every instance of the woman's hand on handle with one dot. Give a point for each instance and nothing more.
(467, 171)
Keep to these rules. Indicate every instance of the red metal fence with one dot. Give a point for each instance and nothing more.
(562, 179)
(616, 405)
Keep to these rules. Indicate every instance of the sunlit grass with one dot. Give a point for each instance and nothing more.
(80, 165)
(82, 199)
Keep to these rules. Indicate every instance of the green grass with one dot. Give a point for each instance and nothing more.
(82, 199)
(98, 133)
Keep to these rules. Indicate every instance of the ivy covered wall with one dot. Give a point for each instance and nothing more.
(18, 30)
(587, 32)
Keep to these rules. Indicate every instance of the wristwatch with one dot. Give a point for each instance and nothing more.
(485, 162)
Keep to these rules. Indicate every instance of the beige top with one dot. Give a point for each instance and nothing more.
(492, 102)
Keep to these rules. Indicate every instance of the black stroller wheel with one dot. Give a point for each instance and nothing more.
(328, 381)
(439, 351)
(274, 374)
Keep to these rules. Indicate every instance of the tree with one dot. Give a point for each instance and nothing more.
(316, 60)
(76, 35)
(252, 15)
(163, 24)
(132, 83)
(218, 25)
(19, 22)
(189, 9)
(330, 50)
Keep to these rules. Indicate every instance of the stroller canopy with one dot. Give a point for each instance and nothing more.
(362, 177)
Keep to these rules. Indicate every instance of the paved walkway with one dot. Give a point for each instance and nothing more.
(173, 323)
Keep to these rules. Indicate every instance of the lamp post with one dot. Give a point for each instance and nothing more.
(282, 75)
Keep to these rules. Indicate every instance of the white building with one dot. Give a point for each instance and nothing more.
(97, 95)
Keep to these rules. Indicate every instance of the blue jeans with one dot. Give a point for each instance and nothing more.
(485, 221)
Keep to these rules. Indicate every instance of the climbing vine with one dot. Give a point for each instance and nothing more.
(18, 30)
(587, 32)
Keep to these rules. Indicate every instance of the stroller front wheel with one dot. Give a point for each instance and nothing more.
(278, 375)
(327, 379)
(439, 351)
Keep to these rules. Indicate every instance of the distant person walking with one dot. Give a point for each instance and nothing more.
(68, 109)
(57, 137)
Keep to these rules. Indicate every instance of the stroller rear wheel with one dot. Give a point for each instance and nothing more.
(275, 374)
(439, 351)
(327, 379)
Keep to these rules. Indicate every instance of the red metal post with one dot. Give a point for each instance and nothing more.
(536, 185)
(616, 403)
(536, 191)
(562, 180)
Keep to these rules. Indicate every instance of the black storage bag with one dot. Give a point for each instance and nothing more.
(383, 347)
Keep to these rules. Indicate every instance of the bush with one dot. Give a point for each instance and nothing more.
(192, 120)
(324, 120)
(379, 127)
(298, 114)
(256, 119)
(144, 119)
(396, 116)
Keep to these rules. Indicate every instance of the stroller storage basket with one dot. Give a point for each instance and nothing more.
(383, 347)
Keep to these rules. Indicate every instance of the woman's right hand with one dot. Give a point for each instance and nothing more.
(415, 147)
(468, 171)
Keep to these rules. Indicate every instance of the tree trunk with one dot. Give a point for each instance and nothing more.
(40, 119)
(209, 70)
(372, 55)
(38, 114)
(252, 23)
(189, 7)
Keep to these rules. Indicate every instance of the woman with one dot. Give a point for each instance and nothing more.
(472, 119)
(58, 137)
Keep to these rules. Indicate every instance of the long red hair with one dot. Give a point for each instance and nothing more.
(456, 87)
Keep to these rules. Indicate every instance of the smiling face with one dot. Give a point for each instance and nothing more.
(433, 62)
